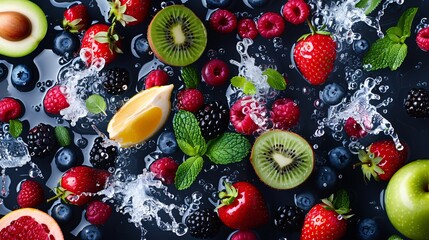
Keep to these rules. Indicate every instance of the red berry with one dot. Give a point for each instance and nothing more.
(98, 212)
(215, 72)
(271, 25)
(190, 100)
(240, 115)
(10, 108)
(247, 28)
(76, 18)
(223, 21)
(164, 169)
(55, 101)
(285, 113)
(296, 11)
(31, 194)
(354, 129)
(422, 39)
(156, 78)
(244, 235)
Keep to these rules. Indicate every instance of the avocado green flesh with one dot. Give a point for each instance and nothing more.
(39, 27)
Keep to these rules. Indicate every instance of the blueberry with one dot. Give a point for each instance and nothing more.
(326, 178)
(65, 43)
(62, 212)
(256, 3)
(3, 71)
(68, 157)
(368, 229)
(339, 157)
(305, 200)
(167, 143)
(212, 4)
(332, 94)
(141, 46)
(22, 77)
(90, 232)
(360, 46)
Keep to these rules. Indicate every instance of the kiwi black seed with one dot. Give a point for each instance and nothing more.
(177, 36)
(282, 159)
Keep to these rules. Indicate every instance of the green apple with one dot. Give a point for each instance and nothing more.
(407, 200)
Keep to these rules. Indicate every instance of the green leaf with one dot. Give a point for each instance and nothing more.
(275, 79)
(188, 172)
(395, 34)
(378, 54)
(368, 5)
(96, 104)
(246, 86)
(228, 148)
(398, 54)
(406, 21)
(188, 134)
(15, 128)
(63, 136)
(190, 77)
(341, 200)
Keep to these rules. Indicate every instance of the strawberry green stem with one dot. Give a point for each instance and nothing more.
(312, 28)
(228, 196)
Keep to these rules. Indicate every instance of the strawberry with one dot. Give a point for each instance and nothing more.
(327, 220)
(190, 100)
(31, 194)
(381, 159)
(98, 212)
(76, 18)
(285, 113)
(10, 108)
(77, 182)
(242, 206)
(100, 41)
(156, 77)
(240, 115)
(55, 101)
(314, 56)
(165, 169)
(129, 12)
(354, 129)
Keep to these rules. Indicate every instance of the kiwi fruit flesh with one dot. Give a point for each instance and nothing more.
(282, 159)
(177, 36)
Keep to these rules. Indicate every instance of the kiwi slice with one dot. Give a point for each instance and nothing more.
(177, 36)
(282, 159)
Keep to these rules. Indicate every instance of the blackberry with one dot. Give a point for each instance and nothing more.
(417, 103)
(289, 219)
(102, 157)
(203, 223)
(116, 81)
(213, 119)
(41, 140)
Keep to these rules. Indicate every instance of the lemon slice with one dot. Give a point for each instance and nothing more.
(141, 117)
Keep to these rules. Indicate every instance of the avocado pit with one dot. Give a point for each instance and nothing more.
(14, 26)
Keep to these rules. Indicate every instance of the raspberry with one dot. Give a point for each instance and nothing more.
(422, 39)
(10, 108)
(156, 78)
(215, 72)
(244, 235)
(164, 169)
(190, 100)
(41, 140)
(116, 81)
(98, 212)
(223, 21)
(354, 129)
(271, 25)
(102, 157)
(31, 194)
(417, 103)
(247, 28)
(240, 115)
(213, 119)
(285, 113)
(55, 101)
(296, 11)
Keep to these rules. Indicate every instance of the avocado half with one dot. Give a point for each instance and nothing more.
(39, 27)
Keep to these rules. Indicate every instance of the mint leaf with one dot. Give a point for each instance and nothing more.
(228, 148)
(188, 172)
(377, 56)
(190, 77)
(246, 86)
(96, 104)
(15, 128)
(275, 79)
(341, 200)
(63, 136)
(395, 34)
(406, 21)
(398, 53)
(368, 5)
(188, 134)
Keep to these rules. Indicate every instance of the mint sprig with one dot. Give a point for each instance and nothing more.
(245, 85)
(190, 77)
(96, 104)
(391, 50)
(275, 79)
(15, 128)
(225, 149)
